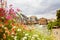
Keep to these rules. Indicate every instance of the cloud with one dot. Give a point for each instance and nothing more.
(37, 7)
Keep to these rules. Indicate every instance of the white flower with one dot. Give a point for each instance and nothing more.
(18, 29)
(29, 36)
(3, 26)
(2, 17)
(23, 32)
(14, 19)
(12, 33)
(32, 39)
(14, 26)
(12, 36)
(35, 35)
(38, 38)
(26, 34)
(15, 37)
(24, 38)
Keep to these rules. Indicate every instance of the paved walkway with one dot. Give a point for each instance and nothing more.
(56, 33)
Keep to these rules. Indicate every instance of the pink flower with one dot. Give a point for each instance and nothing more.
(9, 17)
(1, 9)
(2, 12)
(12, 12)
(10, 5)
(18, 9)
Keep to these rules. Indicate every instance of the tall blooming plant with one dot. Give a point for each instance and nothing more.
(6, 22)
(2, 12)
(12, 30)
(11, 14)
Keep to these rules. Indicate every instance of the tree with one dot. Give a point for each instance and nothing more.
(58, 17)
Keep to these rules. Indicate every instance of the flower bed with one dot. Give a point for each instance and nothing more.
(12, 30)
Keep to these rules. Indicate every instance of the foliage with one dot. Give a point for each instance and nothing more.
(58, 22)
(51, 24)
(58, 17)
(58, 14)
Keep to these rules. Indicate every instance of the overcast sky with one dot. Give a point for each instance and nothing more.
(39, 8)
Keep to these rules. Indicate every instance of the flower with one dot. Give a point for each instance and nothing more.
(23, 32)
(9, 17)
(35, 35)
(12, 32)
(5, 27)
(24, 38)
(6, 22)
(15, 37)
(4, 36)
(14, 26)
(18, 29)
(10, 5)
(12, 36)
(12, 13)
(1, 9)
(2, 12)
(29, 36)
(38, 38)
(26, 34)
(1, 25)
(18, 10)
(9, 33)
(25, 27)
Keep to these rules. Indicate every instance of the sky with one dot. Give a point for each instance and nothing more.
(39, 8)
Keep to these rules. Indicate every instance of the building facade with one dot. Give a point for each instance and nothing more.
(33, 19)
(42, 21)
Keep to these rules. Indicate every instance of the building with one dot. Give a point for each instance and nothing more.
(42, 21)
(33, 19)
